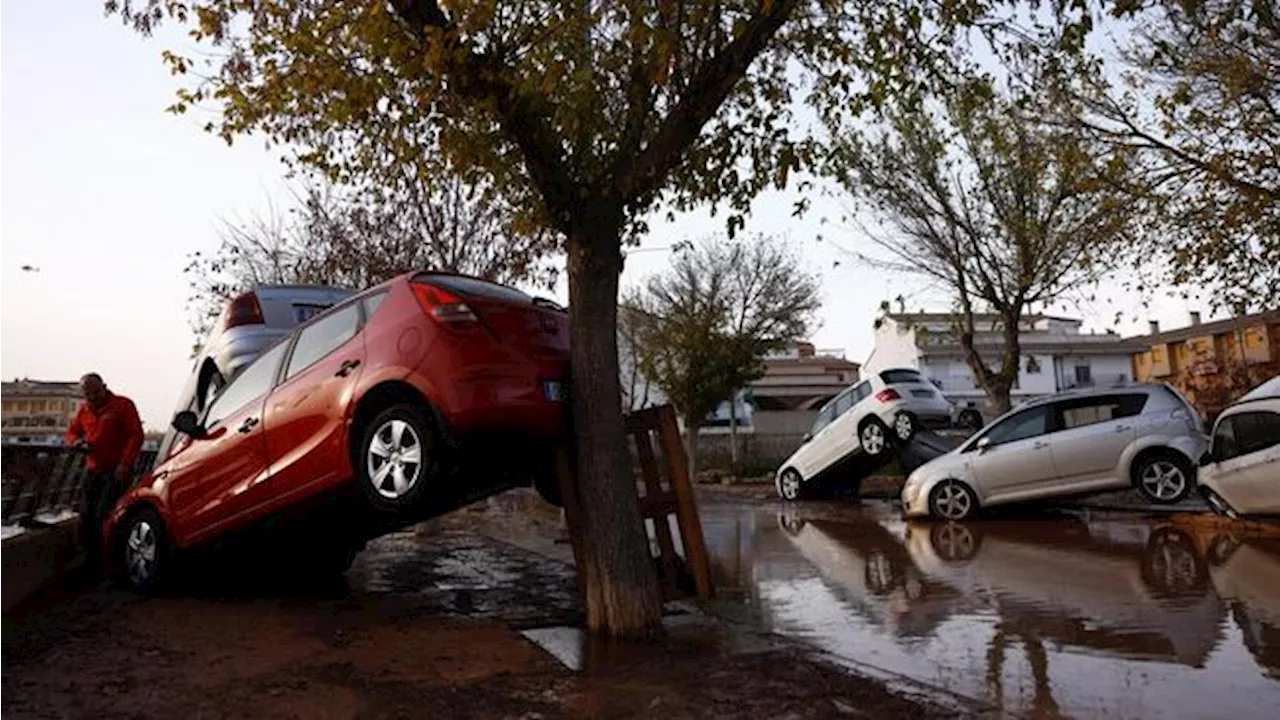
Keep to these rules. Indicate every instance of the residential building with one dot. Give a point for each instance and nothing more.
(1211, 363)
(1056, 355)
(35, 412)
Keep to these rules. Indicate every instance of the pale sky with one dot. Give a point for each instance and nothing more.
(107, 194)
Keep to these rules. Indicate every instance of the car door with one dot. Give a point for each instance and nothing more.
(1092, 434)
(812, 458)
(1246, 452)
(306, 415)
(1014, 456)
(207, 473)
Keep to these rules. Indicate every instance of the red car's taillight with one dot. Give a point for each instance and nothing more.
(442, 304)
(243, 310)
(888, 395)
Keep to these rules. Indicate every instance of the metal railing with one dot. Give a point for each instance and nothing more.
(46, 480)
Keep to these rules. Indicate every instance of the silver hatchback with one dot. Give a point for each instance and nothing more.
(1146, 436)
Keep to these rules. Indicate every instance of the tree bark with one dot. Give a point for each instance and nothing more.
(691, 428)
(733, 433)
(622, 589)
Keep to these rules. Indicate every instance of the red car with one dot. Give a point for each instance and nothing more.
(407, 400)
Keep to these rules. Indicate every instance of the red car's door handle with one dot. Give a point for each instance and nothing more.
(346, 368)
(248, 424)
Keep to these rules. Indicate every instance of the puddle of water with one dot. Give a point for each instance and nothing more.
(1043, 617)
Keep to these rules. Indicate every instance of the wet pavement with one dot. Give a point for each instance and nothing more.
(1044, 615)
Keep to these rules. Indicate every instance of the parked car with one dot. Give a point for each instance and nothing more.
(1240, 474)
(867, 418)
(357, 416)
(249, 323)
(1146, 436)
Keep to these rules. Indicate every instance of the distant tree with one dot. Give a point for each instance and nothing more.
(355, 238)
(1197, 106)
(995, 210)
(703, 327)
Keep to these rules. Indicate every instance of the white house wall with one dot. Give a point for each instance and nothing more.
(895, 347)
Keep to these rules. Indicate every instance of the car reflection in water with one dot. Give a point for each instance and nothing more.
(1045, 617)
(1142, 595)
(1246, 575)
(871, 569)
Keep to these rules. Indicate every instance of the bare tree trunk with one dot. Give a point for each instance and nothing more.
(691, 428)
(733, 433)
(622, 590)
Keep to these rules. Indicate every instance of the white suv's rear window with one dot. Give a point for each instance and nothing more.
(899, 377)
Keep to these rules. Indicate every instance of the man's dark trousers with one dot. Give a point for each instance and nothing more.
(101, 492)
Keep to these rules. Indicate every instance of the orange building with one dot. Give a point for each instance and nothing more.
(1212, 363)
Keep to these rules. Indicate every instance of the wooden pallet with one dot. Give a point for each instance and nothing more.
(665, 490)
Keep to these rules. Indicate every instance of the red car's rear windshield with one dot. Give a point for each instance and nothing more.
(472, 287)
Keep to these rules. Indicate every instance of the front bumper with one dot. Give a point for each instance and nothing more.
(915, 501)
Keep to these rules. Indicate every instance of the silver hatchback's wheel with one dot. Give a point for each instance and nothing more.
(873, 438)
(789, 485)
(1164, 479)
(952, 500)
(394, 459)
(904, 426)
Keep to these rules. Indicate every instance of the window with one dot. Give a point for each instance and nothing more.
(372, 303)
(476, 288)
(861, 392)
(1245, 433)
(1084, 375)
(825, 416)
(1033, 366)
(844, 402)
(1029, 423)
(322, 337)
(252, 382)
(1087, 411)
(898, 377)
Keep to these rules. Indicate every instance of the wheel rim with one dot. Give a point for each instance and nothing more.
(140, 552)
(395, 459)
(952, 501)
(902, 425)
(1163, 480)
(873, 439)
(790, 486)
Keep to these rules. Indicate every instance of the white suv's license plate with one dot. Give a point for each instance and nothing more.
(554, 390)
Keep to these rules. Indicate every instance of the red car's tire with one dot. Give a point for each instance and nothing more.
(397, 458)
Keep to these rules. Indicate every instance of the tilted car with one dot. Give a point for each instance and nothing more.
(867, 418)
(1240, 474)
(353, 420)
(1140, 435)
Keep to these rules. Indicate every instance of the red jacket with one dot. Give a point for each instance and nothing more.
(114, 433)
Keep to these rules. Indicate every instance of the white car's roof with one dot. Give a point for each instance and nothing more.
(1270, 388)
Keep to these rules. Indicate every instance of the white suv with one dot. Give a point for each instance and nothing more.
(1241, 472)
(868, 418)
(1140, 435)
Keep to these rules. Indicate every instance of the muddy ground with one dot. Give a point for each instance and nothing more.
(425, 625)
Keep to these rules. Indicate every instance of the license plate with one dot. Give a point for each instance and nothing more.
(303, 313)
(554, 390)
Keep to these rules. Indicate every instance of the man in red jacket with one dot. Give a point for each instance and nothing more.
(108, 425)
